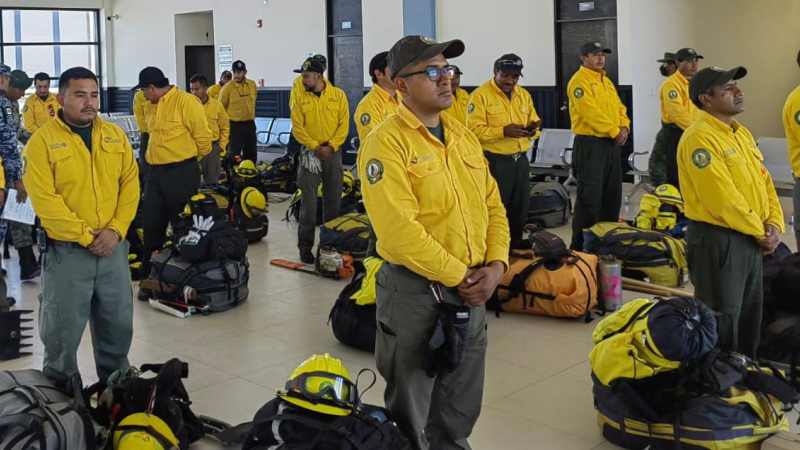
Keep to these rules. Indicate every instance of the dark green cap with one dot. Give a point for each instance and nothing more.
(20, 79)
(686, 54)
(669, 57)
(709, 77)
(412, 49)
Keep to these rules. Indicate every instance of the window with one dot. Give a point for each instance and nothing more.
(50, 40)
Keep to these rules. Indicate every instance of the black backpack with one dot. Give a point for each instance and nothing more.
(549, 205)
(222, 241)
(354, 325)
(133, 393)
(37, 415)
(367, 428)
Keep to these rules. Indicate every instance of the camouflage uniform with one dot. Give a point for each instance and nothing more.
(12, 163)
(21, 234)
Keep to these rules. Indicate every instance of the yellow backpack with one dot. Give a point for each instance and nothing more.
(660, 210)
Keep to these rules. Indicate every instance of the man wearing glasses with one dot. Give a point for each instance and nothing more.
(442, 229)
(601, 126)
(502, 115)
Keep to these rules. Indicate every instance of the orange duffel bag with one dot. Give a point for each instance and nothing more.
(559, 289)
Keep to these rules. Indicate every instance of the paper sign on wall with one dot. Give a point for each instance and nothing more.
(225, 57)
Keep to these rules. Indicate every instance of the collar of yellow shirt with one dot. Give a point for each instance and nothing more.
(718, 125)
(386, 96)
(452, 135)
(593, 74)
(680, 78)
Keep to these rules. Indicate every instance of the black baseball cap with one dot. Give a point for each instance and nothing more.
(238, 66)
(311, 65)
(686, 54)
(151, 75)
(508, 63)
(20, 79)
(594, 47)
(412, 49)
(669, 57)
(709, 77)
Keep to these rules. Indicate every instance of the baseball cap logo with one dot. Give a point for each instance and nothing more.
(427, 40)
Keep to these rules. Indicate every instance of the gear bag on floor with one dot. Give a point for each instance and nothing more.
(644, 254)
(37, 415)
(348, 234)
(352, 317)
(549, 205)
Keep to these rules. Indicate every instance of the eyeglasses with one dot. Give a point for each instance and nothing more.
(434, 73)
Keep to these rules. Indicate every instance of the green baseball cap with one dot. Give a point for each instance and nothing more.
(709, 77)
(412, 49)
(20, 79)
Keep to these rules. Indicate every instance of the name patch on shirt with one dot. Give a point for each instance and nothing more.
(110, 140)
(57, 145)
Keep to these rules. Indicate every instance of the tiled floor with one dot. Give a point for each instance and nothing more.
(538, 391)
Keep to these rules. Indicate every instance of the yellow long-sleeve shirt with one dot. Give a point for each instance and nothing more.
(458, 110)
(373, 109)
(218, 122)
(676, 105)
(214, 90)
(178, 129)
(594, 105)
(76, 190)
(490, 110)
(319, 119)
(2, 175)
(239, 100)
(723, 178)
(791, 126)
(297, 89)
(142, 110)
(435, 208)
(38, 112)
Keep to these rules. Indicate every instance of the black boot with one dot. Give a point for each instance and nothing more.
(306, 255)
(28, 265)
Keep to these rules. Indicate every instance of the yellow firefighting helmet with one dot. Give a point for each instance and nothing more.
(322, 384)
(142, 431)
(246, 169)
(669, 195)
(253, 202)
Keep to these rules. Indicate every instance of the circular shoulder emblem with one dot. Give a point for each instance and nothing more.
(797, 117)
(673, 94)
(374, 171)
(471, 108)
(365, 119)
(578, 93)
(701, 158)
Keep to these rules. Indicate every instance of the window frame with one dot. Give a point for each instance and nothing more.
(97, 43)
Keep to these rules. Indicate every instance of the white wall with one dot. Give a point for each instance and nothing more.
(524, 27)
(144, 35)
(383, 26)
(762, 36)
(191, 29)
(645, 30)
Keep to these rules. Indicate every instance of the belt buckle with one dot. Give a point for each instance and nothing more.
(516, 156)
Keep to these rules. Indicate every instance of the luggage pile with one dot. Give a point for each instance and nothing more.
(652, 255)
(205, 269)
(351, 200)
(352, 317)
(780, 340)
(659, 381)
(549, 205)
(662, 210)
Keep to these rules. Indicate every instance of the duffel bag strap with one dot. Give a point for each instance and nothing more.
(28, 422)
(588, 317)
(517, 286)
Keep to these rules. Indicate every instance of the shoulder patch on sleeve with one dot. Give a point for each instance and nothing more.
(365, 119)
(374, 171)
(797, 117)
(578, 92)
(673, 94)
(701, 158)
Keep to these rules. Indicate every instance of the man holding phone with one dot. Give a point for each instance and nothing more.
(502, 116)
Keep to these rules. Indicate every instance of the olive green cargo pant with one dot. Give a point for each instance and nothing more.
(79, 287)
(726, 268)
(436, 413)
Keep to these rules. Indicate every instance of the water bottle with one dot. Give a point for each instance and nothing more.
(610, 283)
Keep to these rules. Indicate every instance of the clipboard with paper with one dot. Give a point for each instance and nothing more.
(18, 212)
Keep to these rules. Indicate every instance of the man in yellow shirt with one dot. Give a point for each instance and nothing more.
(40, 107)
(224, 78)
(733, 207)
(382, 100)
(460, 98)
(219, 126)
(239, 99)
(502, 116)
(677, 114)
(297, 85)
(179, 137)
(791, 126)
(442, 229)
(83, 181)
(320, 123)
(142, 110)
(601, 126)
